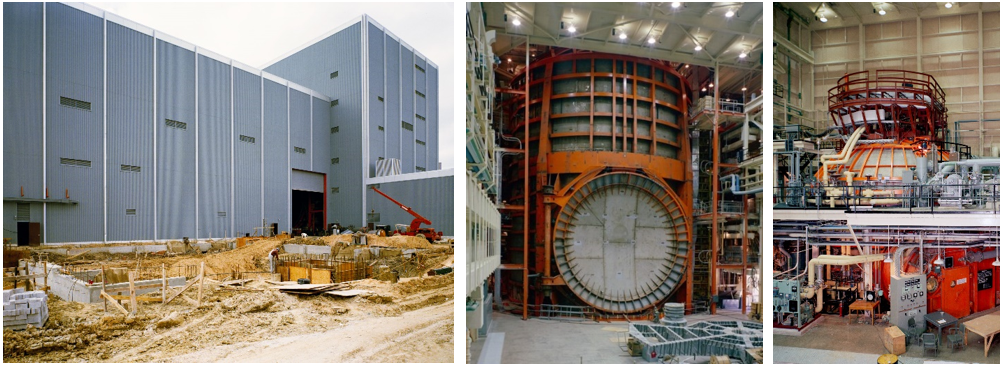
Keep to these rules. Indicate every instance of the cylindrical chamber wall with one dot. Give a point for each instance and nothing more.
(590, 114)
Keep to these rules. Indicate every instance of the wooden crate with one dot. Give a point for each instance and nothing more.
(893, 340)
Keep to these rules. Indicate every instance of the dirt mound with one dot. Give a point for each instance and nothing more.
(416, 285)
(306, 241)
(404, 242)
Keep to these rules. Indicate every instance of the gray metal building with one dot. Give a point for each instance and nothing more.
(116, 132)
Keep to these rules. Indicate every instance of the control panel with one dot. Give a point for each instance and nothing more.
(786, 296)
(908, 297)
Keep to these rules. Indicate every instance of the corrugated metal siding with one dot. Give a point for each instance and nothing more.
(408, 100)
(22, 102)
(75, 69)
(393, 99)
(175, 147)
(277, 192)
(421, 126)
(130, 134)
(247, 156)
(375, 48)
(214, 148)
(433, 118)
(300, 130)
(321, 155)
(431, 197)
(311, 67)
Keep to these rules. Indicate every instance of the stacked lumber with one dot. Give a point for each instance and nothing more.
(310, 289)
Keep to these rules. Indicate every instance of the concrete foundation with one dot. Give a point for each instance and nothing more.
(69, 288)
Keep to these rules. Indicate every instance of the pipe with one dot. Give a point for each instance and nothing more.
(844, 155)
(841, 260)
(944, 167)
(735, 185)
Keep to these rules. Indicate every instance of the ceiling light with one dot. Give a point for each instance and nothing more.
(651, 40)
(823, 19)
(509, 60)
(687, 65)
(949, 5)
(710, 85)
(744, 88)
(997, 263)
(743, 54)
(675, 5)
(882, 12)
(704, 89)
(572, 29)
(697, 47)
(887, 260)
(622, 36)
(938, 261)
(516, 21)
(729, 13)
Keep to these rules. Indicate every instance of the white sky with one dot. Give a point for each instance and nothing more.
(258, 33)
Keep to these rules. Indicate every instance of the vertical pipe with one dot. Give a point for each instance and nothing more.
(526, 171)
(154, 143)
(715, 189)
(104, 124)
(196, 142)
(45, 122)
(744, 243)
(232, 215)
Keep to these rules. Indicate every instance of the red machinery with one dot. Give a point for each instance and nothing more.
(413, 228)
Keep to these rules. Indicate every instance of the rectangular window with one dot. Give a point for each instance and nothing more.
(380, 98)
(420, 68)
(129, 168)
(380, 158)
(247, 139)
(421, 169)
(130, 211)
(419, 117)
(334, 102)
(423, 143)
(74, 103)
(75, 162)
(299, 150)
(221, 214)
(420, 94)
(175, 124)
(380, 128)
(334, 189)
(335, 129)
(406, 125)
(334, 74)
(334, 160)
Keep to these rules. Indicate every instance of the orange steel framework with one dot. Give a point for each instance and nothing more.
(590, 120)
(897, 104)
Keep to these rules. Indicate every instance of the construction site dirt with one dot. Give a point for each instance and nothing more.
(242, 316)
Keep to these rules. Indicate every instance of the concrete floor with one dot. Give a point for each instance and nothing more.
(836, 340)
(511, 340)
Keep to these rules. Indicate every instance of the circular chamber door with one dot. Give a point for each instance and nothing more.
(621, 242)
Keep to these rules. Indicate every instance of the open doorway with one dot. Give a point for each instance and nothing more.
(308, 213)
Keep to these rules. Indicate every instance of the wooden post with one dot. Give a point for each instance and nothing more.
(132, 292)
(45, 278)
(164, 283)
(103, 283)
(202, 271)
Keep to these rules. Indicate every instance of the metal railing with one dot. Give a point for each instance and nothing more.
(907, 198)
(561, 312)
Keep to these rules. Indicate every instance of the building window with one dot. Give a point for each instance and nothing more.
(335, 129)
(419, 117)
(420, 94)
(299, 150)
(420, 142)
(130, 211)
(74, 103)
(380, 128)
(334, 74)
(129, 168)
(380, 98)
(247, 139)
(334, 160)
(334, 189)
(221, 214)
(421, 169)
(406, 125)
(75, 162)
(421, 69)
(175, 124)
(379, 158)
(334, 102)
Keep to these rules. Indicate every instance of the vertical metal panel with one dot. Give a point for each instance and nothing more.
(408, 99)
(176, 184)
(312, 67)
(421, 126)
(274, 142)
(214, 148)
(433, 117)
(300, 130)
(375, 81)
(321, 153)
(439, 209)
(247, 155)
(75, 69)
(392, 127)
(130, 105)
(22, 101)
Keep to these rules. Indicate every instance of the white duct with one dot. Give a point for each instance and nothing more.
(837, 159)
(832, 260)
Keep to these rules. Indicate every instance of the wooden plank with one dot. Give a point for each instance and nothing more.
(103, 283)
(132, 291)
(190, 300)
(138, 298)
(347, 293)
(164, 283)
(114, 303)
(23, 277)
(187, 286)
(202, 271)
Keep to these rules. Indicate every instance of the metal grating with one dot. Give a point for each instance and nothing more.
(129, 168)
(221, 213)
(175, 124)
(75, 162)
(74, 103)
(247, 139)
(407, 126)
(130, 211)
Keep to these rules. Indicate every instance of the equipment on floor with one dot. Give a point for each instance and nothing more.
(413, 229)
(908, 298)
